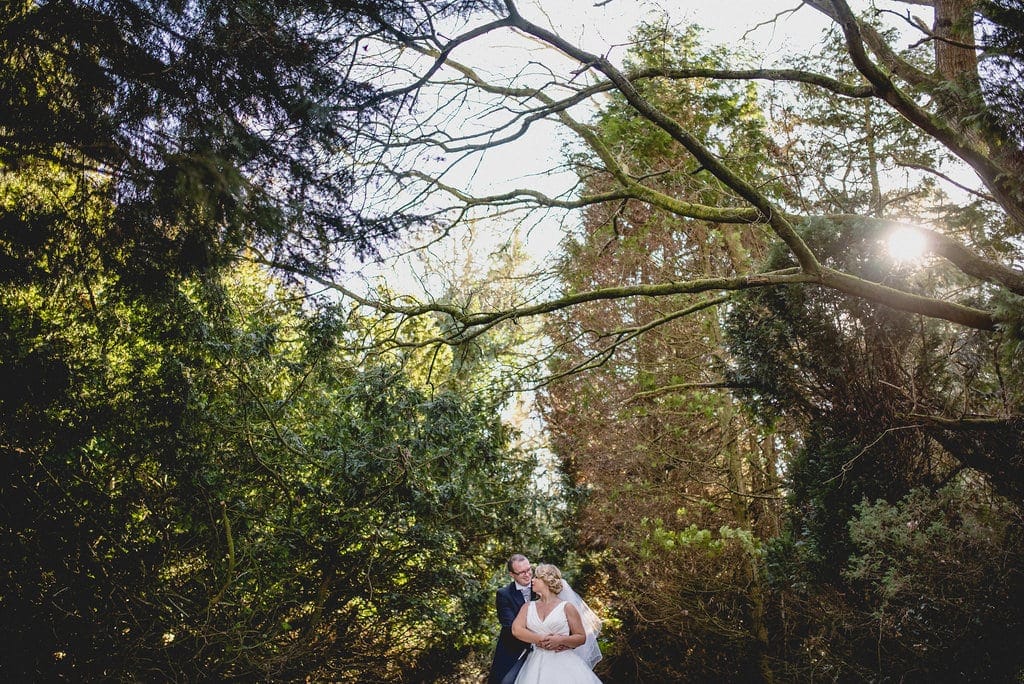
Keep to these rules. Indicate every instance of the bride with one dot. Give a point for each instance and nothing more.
(556, 628)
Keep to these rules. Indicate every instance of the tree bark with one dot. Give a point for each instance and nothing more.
(955, 57)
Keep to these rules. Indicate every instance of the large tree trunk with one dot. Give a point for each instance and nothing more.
(955, 56)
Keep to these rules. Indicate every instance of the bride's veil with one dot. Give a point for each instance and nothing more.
(589, 651)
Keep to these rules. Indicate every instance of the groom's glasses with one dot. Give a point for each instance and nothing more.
(524, 573)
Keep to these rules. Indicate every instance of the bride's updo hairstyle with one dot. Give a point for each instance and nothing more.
(551, 575)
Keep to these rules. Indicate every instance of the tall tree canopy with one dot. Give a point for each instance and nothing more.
(206, 473)
(940, 96)
(207, 126)
(928, 111)
(894, 382)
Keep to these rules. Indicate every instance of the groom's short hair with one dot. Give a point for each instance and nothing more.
(514, 558)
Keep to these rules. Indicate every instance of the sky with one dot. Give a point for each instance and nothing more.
(597, 25)
(601, 27)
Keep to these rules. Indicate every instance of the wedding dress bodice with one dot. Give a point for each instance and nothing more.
(554, 623)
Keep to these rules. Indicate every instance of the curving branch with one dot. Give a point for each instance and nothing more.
(965, 259)
(881, 48)
(472, 324)
(904, 301)
(973, 264)
(787, 75)
(1002, 183)
(767, 212)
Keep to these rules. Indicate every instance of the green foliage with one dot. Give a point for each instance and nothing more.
(726, 116)
(695, 622)
(208, 126)
(661, 539)
(827, 366)
(1001, 65)
(942, 574)
(202, 487)
(203, 478)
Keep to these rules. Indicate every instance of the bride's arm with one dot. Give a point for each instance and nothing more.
(576, 635)
(521, 631)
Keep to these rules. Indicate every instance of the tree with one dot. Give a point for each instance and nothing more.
(666, 458)
(200, 479)
(208, 126)
(961, 127)
(220, 489)
(848, 380)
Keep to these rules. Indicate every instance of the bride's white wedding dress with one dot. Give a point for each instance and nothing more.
(553, 667)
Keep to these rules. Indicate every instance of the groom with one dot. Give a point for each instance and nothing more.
(508, 600)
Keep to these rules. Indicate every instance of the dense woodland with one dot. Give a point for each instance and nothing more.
(771, 451)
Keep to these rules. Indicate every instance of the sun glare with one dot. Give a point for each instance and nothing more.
(907, 244)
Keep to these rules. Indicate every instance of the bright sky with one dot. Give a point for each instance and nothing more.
(603, 29)
(598, 27)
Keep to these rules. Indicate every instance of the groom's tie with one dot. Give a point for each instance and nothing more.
(526, 594)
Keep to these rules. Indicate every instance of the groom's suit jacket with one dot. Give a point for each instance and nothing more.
(507, 600)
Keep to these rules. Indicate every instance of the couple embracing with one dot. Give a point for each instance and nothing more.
(548, 634)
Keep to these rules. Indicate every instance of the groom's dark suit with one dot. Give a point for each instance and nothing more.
(508, 600)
